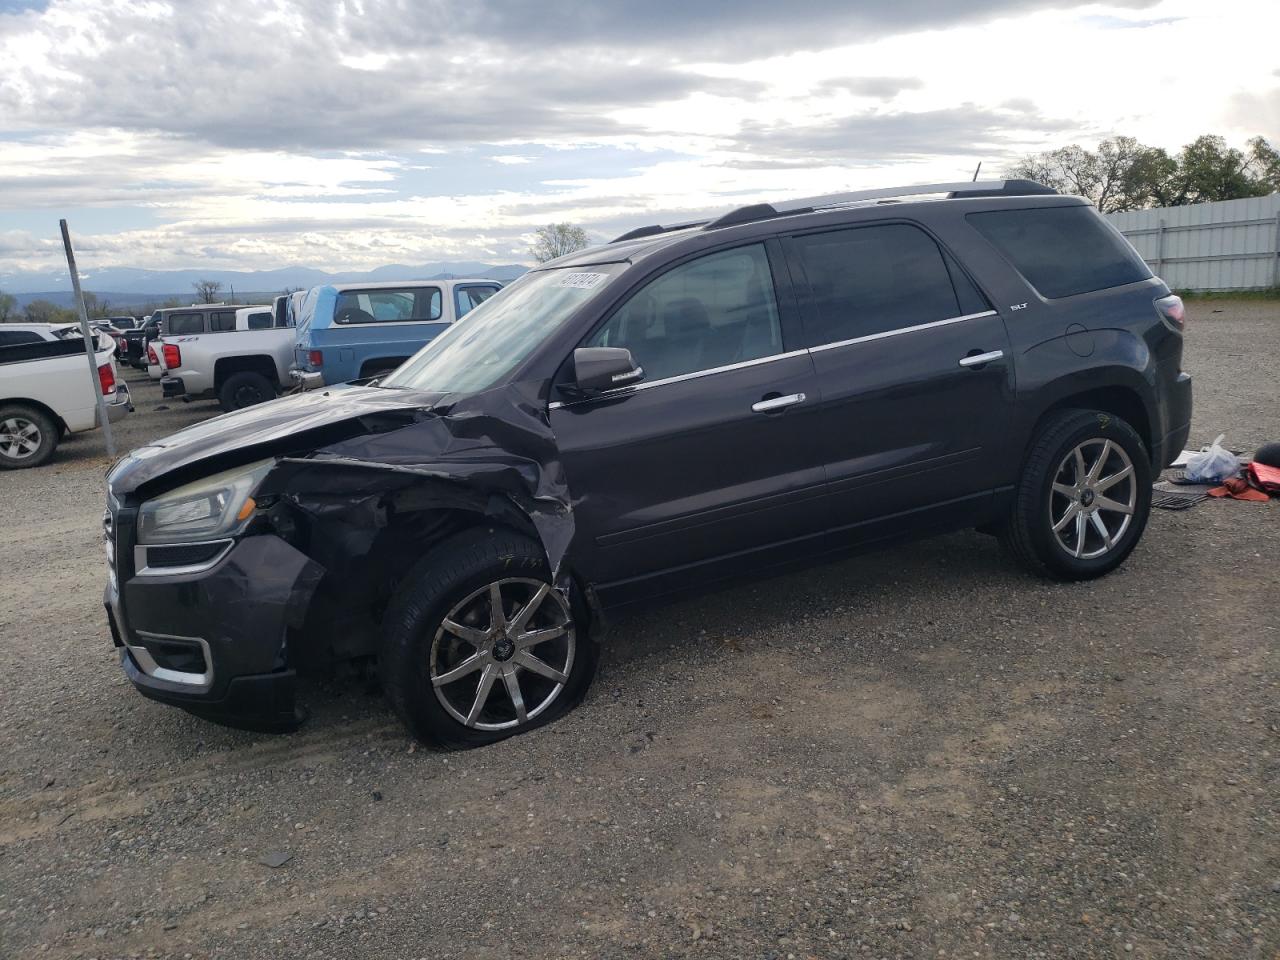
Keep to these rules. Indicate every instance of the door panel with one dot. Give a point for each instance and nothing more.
(685, 472)
(907, 426)
(910, 431)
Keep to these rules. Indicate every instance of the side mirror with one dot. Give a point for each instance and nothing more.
(596, 369)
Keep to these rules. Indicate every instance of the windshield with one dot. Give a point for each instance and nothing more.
(491, 341)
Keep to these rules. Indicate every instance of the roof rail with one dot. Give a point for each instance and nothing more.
(654, 229)
(765, 211)
(981, 188)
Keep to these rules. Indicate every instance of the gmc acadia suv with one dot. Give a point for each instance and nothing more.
(683, 407)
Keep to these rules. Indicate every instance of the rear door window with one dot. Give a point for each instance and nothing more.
(259, 321)
(181, 324)
(871, 280)
(409, 305)
(466, 299)
(12, 338)
(220, 320)
(711, 312)
(1062, 251)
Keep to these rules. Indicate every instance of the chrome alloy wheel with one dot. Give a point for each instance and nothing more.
(516, 634)
(1093, 498)
(19, 438)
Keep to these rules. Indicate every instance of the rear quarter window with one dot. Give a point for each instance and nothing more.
(1061, 251)
(180, 324)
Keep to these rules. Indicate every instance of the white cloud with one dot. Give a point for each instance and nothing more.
(337, 134)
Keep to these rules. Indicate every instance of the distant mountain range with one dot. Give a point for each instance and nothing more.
(129, 285)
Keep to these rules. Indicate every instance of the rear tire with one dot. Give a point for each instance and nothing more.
(1084, 497)
(245, 389)
(28, 436)
(484, 655)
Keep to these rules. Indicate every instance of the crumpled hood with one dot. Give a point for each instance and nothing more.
(287, 425)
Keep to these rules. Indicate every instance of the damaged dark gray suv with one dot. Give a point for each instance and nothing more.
(684, 407)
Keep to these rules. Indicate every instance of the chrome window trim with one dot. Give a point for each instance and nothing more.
(142, 570)
(901, 330)
(624, 391)
(147, 664)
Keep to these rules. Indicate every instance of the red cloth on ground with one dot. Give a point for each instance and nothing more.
(1265, 477)
(1237, 488)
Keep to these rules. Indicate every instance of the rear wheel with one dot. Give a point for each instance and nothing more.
(28, 437)
(478, 645)
(1084, 496)
(245, 389)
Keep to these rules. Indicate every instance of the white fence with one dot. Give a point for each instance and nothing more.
(1228, 245)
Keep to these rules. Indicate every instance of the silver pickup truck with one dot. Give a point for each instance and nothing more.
(240, 367)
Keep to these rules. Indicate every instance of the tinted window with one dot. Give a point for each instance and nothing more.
(259, 321)
(222, 320)
(1062, 251)
(714, 311)
(184, 323)
(467, 299)
(388, 306)
(873, 279)
(11, 338)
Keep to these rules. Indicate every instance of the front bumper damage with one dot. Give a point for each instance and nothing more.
(214, 640)
(226, 638)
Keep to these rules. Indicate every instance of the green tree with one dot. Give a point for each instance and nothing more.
(1123, 174)
(1210, 170)
(45, 311)
(557, 239)
(1264, 161)
(8, 306)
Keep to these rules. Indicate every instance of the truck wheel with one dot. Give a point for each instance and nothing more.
(28, 437)
(1083, 499)
(478, 645)
(245, 389)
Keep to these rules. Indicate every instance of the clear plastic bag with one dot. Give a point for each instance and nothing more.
(1213, 465)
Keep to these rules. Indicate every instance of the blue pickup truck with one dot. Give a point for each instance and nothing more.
(348, 331)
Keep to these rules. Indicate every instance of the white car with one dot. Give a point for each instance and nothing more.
(46, 393)
(241, 367)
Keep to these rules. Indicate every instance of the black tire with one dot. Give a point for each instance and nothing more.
(39, 432)
(1028, 533)
(455, 570)
(245, 389)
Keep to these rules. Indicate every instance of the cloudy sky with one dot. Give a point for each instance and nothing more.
(345, 134)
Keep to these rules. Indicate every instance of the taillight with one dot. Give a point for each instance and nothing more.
(151, 355)
(172, 356)
(107, 377)
(1172, 310)
(315, 358)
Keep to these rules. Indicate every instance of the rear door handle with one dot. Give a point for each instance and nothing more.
(777, 403)
(981, 358)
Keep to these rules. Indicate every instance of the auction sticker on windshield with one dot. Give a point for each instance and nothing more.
(583, 281)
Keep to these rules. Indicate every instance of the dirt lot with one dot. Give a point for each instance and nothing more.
(921, 753)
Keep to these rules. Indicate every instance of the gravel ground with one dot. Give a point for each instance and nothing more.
(919, 753)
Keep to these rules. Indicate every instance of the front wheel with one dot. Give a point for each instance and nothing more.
(1084, 496)
(478, 645)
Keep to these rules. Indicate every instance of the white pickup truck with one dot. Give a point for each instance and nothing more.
(240, 367)
(46, 393)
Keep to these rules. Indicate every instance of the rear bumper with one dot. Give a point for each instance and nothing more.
(306, 379)
(117, 407)
(173, 387)
(1177, 421)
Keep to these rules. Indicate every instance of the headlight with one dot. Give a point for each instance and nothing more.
(216, 506)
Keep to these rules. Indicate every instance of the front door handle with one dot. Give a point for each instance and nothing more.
(979, 359)
(769, 404)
